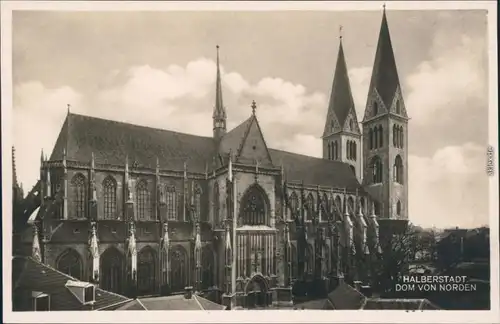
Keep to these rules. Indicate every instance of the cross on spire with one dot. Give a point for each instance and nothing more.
(254, 107)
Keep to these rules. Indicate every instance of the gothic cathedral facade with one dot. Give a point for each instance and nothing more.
(142, 211)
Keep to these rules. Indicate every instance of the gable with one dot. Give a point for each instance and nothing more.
(375, 106)
(351, 122)
(398, 104)
(253, 147)
(332, 124)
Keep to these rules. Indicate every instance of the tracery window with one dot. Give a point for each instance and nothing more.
(143, 201)
(171, 203)
(294, 203)
(180, 268)
(109, 186)
(70, 263)
(79, 185)
(254, 206)
(146, 271)
(309, 207)
(197, 205)
(112, 270)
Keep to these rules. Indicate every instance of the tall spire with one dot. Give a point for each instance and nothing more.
(385, 77)
(219, 115)
(341, 99)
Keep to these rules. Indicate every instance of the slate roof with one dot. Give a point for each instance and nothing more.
(176, 302)
(384, 75)
(341, 100)
(31, 275)
(112, 141)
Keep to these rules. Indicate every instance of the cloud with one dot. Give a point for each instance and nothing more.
(38, 116)
(449, 81)
(448, 189)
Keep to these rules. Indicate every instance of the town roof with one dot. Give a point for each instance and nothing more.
(30, 275)
(176, 302)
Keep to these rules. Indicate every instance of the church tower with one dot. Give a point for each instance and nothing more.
(219, 116)
(385, 140)
(342, 136)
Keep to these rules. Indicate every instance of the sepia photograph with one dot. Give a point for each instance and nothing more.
(272, 156)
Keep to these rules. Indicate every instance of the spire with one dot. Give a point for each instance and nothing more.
(35, 249)
(341, 99)
(384, 75)
(219, 115)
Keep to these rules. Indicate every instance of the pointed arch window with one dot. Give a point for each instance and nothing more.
(70, 263)
(348, 150)
(401, 137)
(395, 135)
(375, 137)
(370, 139)
(79, 184)
(376, 168)
(398, 169)
(143, 201)
(310, 207)
(336, 150)
(180, 269)
(171, 203)
(338, 204)
(294, 204)
(375, 108)
(216, 210)
(254, 206)
(197, 204)
(362, 205)
(146, 271)
(350, 206)
(326, 203)
(380, 136)
(310, 259)
(109, 188)
(329, 152)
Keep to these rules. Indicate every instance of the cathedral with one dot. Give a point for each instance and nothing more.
(147, 212)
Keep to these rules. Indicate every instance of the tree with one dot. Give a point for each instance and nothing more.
(398, 252)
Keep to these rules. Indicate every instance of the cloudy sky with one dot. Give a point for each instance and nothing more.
(158, 69)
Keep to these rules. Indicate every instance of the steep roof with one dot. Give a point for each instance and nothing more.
(176, 302)
(31, 275)
(219, 109)
(385, 74)
(341, 100)
(111, 142)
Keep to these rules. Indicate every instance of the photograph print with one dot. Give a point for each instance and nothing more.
(221, 159)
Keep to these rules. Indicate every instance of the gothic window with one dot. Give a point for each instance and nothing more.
(395, 136)
(146, 262)
(375, 108)
(398, 169)
(338, 204)
(380, 136)
(370, 138)
(180, 269)
(376, 168)
(401, 137)
(254, 206)
(70, 263)
(112, 266)
(143, 203)
(375, 137)
(171, 203)
(79, 185)
(325, 202)
(350, 206)
(398, 107)
(109, 186)
(197, 204)
(348, 150)
(310, 207)
(207, 267)
(217, 216)
(354, 151)
(398, 208)
(294, 203)
(329, 151)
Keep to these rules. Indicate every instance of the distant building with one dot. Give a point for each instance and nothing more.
(142, 211)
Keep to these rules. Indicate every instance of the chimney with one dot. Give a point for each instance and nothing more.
(188, 292)
(357, 285)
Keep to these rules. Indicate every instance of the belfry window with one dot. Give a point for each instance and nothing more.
(398, 169)
(376, 168)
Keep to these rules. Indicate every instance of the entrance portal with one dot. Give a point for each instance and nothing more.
(256, 292)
